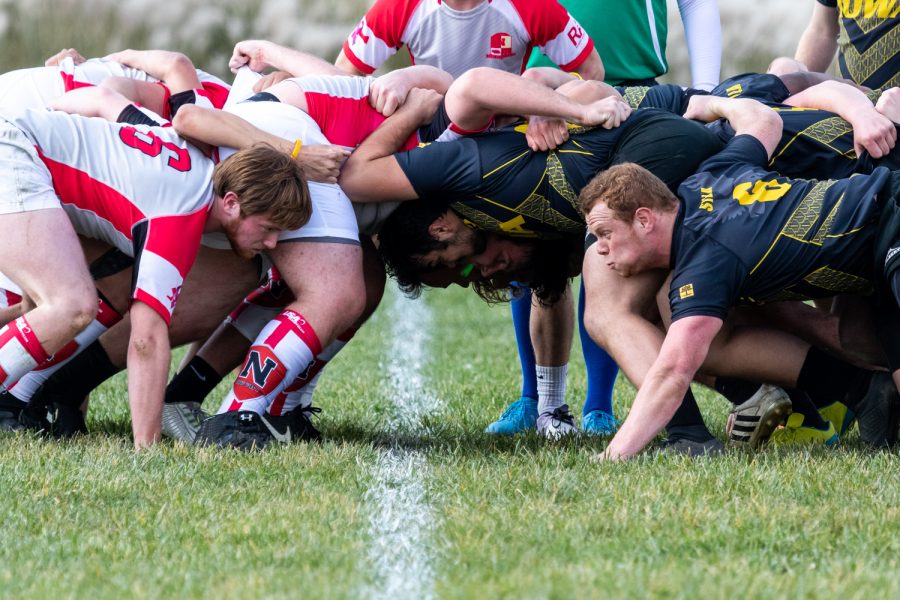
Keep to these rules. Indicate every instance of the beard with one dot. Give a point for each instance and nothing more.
(230, 229)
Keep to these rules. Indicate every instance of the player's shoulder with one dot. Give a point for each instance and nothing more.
(396, 14)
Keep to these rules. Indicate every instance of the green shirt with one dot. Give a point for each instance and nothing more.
(630, 39)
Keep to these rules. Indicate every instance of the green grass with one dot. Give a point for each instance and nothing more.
(463, 515)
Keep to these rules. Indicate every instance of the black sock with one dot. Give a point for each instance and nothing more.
(803, 404)
(75, 380)
(736, 390)
(687, 422)
(829, 380)
(193, 382)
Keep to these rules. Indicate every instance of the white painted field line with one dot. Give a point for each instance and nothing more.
(401, 522)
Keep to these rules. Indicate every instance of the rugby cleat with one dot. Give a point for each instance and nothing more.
(10, 407)
(840, 416)
(600, 423)
(181, 420)
(878, 413)
(753, 421)
(557, 423)
(293, 426)
(241, 429)
(692, 449)
(519, 417)
(794, 434)
(57, 420)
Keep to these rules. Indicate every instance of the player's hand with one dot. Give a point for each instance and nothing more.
(545, 133)
(322, 162)
(608, 112)
(63, 54)
(873, 132)
(889, 104)
(700, 108)
(388, 93)
(251, 53)
(424, 102)
(267, 81)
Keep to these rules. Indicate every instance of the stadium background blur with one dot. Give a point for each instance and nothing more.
(30, 31)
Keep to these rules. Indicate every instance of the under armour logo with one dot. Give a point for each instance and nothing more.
(246, 417)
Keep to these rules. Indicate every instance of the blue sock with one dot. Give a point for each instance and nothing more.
(601, 368)
(521, 314)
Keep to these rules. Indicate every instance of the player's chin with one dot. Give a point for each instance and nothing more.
(245, 253)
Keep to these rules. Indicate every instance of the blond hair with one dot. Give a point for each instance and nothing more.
(265, 181)
(625, 188)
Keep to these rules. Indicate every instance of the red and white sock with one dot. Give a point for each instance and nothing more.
(20, 351)
(300, 392)
(283, 349)
(32, 381)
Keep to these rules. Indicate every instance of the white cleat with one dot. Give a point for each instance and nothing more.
(557, 423)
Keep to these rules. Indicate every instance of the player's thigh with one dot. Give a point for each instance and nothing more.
(216, 284)
(608, 294)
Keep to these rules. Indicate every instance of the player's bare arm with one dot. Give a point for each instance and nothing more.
(389, 91)
(873, 132)
(174, 68)
(372, 174)
(148, 370)
(683, 351)
(220, 128)
(819, 40)
(260, 55)
(747, 117)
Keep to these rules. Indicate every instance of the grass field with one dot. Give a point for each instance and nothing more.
(408, 499)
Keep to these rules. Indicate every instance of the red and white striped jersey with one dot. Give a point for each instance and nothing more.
(36, 87)
(497, 33)
(340, 107)
(143, 190)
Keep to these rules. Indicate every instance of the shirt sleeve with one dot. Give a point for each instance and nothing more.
(703, 34)
(377, 36)
(447, 167)
(828, 3)
(763, 87)
(556, 32)
(706, 281)
(165, 249)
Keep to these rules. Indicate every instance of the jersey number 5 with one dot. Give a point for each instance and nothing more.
(759, 191)
(148, 143)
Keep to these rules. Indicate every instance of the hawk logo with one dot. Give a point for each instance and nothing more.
(501, 46)
(686, 291)
(261, 374)
(173, 296)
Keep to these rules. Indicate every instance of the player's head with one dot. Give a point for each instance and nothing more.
(263, 192)
(424, 238)
(630, 211)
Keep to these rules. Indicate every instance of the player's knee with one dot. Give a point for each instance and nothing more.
(79, 309)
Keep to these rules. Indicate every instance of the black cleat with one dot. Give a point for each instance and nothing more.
(293, 426)
(878, 413)
(10, 407)
(56, 420)
(241, 429)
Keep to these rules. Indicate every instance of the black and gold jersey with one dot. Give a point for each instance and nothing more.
(497, 183)
(747, 235)
(869, 41)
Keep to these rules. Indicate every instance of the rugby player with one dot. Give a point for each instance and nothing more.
(740, 234)
(154, 208)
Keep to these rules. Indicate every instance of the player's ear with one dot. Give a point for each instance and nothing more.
(232, 204)
(644, 218)
(441, 228)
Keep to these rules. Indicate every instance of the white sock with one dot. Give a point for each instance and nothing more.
(551, 385)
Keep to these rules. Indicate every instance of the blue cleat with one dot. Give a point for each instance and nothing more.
(519, 417)
(598, 422)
